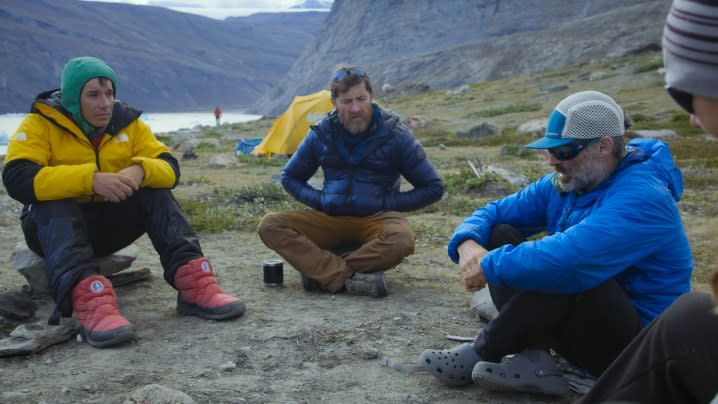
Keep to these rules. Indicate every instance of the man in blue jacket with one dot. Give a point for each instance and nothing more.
(614, 256)
(363, 151)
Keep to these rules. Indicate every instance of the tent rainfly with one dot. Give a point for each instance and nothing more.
(293, 125)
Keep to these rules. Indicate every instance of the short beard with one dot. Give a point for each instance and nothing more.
(588, 174)
(356, 128)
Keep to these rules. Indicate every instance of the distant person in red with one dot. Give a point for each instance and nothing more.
(217, 114)
(94, 178)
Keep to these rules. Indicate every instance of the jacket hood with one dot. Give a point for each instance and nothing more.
(48, 104)
(75, 75)
(659, 153)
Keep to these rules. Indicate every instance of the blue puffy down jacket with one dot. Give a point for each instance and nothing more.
(628, 228)
(365, 180)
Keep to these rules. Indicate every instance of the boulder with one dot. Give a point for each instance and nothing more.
(186, 145)
(485, 129)
(518, 180)
(221, 161)
(655, 134)
(415, 122)
(553, 88)
(459, 91)
(158, 394)
(32, 266)
(536, 127)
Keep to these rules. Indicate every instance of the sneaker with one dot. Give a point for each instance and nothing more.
(451, 366)
(95, 304)
(530, 371)
(200, 295)
(367, 284)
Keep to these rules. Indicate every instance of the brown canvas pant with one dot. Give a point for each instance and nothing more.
(304, 238)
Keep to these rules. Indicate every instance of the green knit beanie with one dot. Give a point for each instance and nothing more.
(75, 75)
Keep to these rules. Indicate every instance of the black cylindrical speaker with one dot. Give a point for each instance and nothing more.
(273, 272)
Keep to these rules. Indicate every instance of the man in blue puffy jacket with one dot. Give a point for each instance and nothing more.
(614, 256)
(363, 151)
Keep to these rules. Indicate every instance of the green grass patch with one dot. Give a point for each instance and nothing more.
(461, 205)
(210, 148)
(430, 234)
(261, 161)
(513, 151)
(193, 180)
(240, 209)
(509, 137)
(700, 179)
(211, 135)
(167, 140)
(642, 119)
(649, 66)
(506, 109)
(433, 137)
(465, 181)
(207, 217)
(695, 154)
(251, 126)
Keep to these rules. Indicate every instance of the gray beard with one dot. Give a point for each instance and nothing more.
(590, 173)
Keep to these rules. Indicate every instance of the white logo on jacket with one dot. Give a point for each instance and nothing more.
(122, 138)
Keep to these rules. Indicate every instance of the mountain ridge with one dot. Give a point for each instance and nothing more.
(481, 40)
(165, 60)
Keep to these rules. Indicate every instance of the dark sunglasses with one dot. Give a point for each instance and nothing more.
(682, 98)
(345, 71)
(571, 150)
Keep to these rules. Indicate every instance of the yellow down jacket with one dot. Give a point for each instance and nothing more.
(50, 158)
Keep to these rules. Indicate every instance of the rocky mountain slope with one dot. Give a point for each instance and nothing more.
(444, 44)
(165, 60)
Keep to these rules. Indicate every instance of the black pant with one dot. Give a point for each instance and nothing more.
(673, 360)
(588, 329)
(69, 235)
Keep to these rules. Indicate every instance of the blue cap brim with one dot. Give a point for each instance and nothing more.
(550, 142)
(552, 138)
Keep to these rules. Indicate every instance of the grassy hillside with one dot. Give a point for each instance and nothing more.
(235, 198)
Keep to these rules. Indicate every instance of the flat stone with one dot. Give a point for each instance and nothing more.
(32, 338)
(516, 179)
(368, 352)
(482, 130)
(32, 266)
(535, 127)
(155, 393)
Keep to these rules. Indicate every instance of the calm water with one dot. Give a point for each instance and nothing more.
(158, 121)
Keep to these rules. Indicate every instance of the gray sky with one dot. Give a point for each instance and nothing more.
(218, 9)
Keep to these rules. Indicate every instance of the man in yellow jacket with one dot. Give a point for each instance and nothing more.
(93, 178)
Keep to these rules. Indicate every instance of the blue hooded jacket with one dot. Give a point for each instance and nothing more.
(364, 180)
(628, 228)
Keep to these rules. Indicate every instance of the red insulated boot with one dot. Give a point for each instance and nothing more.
(101, 323)
(200, 295)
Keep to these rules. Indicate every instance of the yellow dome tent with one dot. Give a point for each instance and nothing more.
(293, 125)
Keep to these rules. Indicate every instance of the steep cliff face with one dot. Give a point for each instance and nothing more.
(165, 60)
(448, 43)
